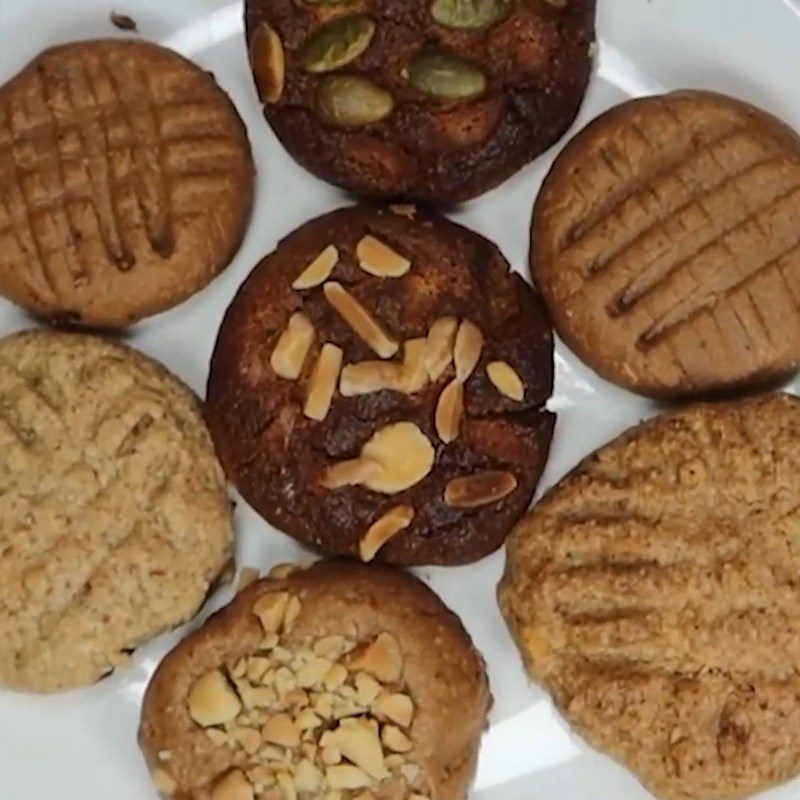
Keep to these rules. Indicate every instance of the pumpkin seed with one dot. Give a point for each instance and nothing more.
(445, 76)
(338, 43)
(268, 63)
(347, 100)
(469, 14)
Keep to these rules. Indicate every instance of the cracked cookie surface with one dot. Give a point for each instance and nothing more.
(114, 515)
(429, 100)
(378, 387)
(654, 593)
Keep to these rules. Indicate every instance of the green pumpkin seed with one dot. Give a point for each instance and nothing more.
(338, 43)
(445, 76)
(469, 14)
(346, 100)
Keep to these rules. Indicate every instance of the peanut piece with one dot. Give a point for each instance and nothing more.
(281, 729)
(319, 270)
(397, 708)
(212, 701)
(359, 743)
(344, 776)
(163, 781)
(395, 740)
(381, 658)
(233, 786)
(270, 608)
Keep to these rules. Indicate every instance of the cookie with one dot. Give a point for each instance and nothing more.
(430, 100)
(666, 242)
(377, 388)
(654, 593)
(127, 182)
(114, 516)
(341, 681)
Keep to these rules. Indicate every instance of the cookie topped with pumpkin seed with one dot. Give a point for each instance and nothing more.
(378, 388)
(430, 100)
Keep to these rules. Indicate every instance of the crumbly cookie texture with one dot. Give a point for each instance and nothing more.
(339, 682)
(114, 515)
(654, 593)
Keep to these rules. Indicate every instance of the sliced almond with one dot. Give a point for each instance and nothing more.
(322, 383)
(233, 786)
(248, 738)
(439, 346)
(480, 489)
(407, 210)
(379, 259)
(163, 781)
(270, 608)
(381, 658)
(345, 776)
(415, 374)
(319, 270)
(405, 455)
(281, 729)
(360, 744)
(396, 707)
(359, 319)
(212, 701)
(387, 527)
(449, 411)
(268, 63)
(350, 473)
(292, 348)
(395, 740)
(366, 377)
(467, 350)
(506, 380)
(247, 576)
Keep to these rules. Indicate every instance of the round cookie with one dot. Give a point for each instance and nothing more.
(431, 100)
(665, 242)
(127, 182)
(654, 593)
(341, 680)
(335, 404)
(114, 515)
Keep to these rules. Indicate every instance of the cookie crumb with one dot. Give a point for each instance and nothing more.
(123, 22)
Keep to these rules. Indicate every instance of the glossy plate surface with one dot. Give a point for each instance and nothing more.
(82, 746)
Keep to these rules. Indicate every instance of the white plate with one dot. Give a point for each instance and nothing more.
(82, 746)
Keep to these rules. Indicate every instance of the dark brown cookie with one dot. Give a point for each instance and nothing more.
(666, 242)
(339, 681)
(654, 593)
(433, 100)
(452, 460)
(126, 182)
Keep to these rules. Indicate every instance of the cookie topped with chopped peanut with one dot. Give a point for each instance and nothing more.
(337, 682)
(378, 388)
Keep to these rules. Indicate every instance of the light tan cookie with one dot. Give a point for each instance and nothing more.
(126, 182)
(666, 242)
(341, 681)
(654, 592)
(114, 516)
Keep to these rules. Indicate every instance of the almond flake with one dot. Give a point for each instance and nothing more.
(467, 351)
(232, 786)
(350, 473)
(397, 708)
(479, 490)
(415, 374)
(439, 346)
(405, 455)
(322, 383)
(344, 776)
(366, 377)
(395, 740)
(281, 729)
(449, 411)
(319, 270)
(408, 210)
(381, 531)
(381, 658)
(506, 380)
(292, 348)
(212, 701)
(379, 259)
(359, 319)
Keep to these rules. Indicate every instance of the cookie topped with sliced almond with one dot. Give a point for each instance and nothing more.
(378, 388)
(337, 682)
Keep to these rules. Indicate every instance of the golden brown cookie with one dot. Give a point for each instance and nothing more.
(432, 100)
(341, 681)
(378, 386)
(114, 516)
(654, 593)
(666, 242)
(126, 182)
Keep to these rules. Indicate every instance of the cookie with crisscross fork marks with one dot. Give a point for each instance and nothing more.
(666, 241)
(655, 593)
(126, 182)
(114, 516)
